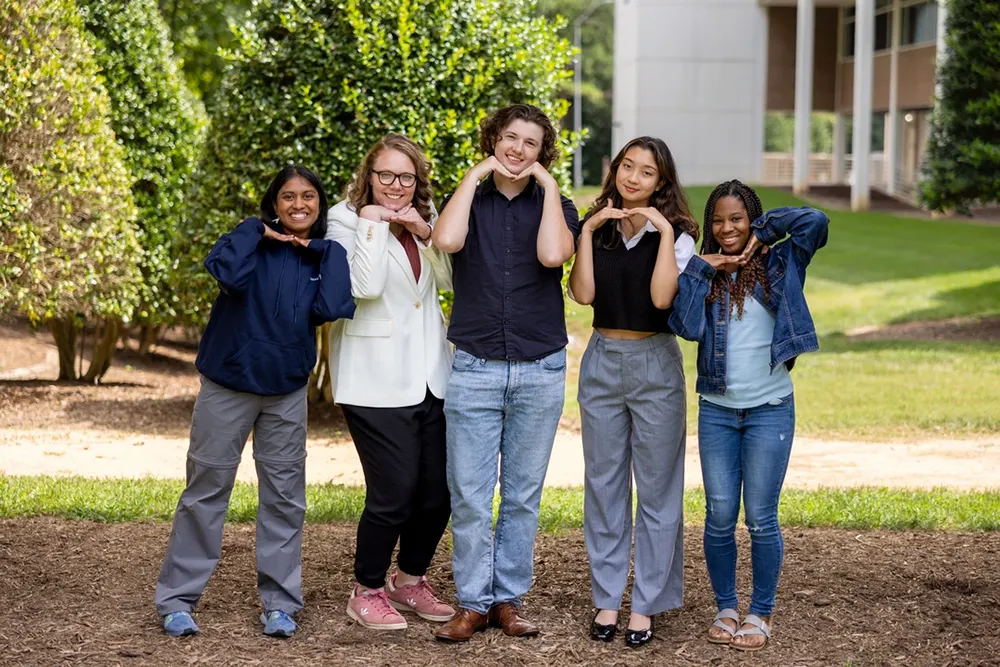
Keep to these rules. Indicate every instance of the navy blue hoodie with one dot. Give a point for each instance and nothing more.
(261, 335)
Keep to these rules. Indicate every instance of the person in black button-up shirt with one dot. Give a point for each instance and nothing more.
(509, 236)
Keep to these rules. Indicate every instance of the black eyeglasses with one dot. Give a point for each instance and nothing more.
(387, 178)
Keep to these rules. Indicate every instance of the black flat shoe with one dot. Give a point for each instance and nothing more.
(602, 633)
(637, 638)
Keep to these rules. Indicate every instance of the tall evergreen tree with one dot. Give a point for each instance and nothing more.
(962, 166)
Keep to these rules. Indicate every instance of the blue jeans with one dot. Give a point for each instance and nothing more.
(508, 410)
(749, 448)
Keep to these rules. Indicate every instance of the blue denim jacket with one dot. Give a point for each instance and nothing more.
(794, 333)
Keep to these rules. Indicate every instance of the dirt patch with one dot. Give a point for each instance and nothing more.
(958, 330)
(21, 347)
(144, 395)
(81, 593)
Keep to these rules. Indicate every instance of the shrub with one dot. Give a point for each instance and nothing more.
(68, 252)
(317, 82)
(962, 166)
(159, 123)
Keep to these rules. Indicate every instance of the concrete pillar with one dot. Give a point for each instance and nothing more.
(839, 147)
(805, 44)
(892, 125)
(864, 48)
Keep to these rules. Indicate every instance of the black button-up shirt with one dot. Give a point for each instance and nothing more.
(508, 306)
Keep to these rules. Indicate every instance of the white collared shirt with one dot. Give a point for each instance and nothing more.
(684, 248)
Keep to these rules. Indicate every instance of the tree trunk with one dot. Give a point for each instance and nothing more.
(148, 335)
(64, 333)
(104, 351)
(320, 383)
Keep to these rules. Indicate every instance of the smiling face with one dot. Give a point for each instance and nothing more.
(519, 145)
(297, 206)
(638, 177)
(396, 195)
(731, 225)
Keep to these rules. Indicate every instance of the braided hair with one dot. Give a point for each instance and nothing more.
(669, 198)
(755, 270)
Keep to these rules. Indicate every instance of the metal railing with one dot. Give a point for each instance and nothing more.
(779, 170)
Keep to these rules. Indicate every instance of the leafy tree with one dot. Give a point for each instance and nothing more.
(962, 166)
(779, 132)
(68, 250)
(199, 29)
(318, 81)
(159, 123)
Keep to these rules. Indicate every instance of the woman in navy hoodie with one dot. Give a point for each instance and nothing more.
(278, 280)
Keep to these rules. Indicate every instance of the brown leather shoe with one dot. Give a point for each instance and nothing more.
(461, 628)
(507, 616)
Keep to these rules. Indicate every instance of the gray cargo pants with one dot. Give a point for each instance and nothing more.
(220, 426)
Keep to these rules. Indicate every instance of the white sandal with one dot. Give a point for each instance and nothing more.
(717, 623)
(760, 627)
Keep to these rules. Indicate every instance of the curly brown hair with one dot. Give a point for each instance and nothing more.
(755, 271)
(668, 198)
(493, 126)
(359, 191)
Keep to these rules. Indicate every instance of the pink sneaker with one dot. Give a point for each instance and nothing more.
(372, 610)
(419, 598)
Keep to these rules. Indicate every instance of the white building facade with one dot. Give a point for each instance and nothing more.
(702, 75)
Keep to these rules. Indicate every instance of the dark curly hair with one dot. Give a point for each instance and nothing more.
(755, 271)
(359, 191)
(668, 198)
(493, 126)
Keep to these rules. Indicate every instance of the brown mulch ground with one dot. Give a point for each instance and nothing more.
(81, 593)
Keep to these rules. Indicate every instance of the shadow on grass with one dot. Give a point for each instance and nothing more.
(962, 302)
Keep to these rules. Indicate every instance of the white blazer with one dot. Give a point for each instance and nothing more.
(395, 347)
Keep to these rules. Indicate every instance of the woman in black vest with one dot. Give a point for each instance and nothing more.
(634, 242)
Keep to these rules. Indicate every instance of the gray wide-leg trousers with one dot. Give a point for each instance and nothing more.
(633, 413)
(220, 427)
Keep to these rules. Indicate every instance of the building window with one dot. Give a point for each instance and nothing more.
(919, 23)
(883, 27)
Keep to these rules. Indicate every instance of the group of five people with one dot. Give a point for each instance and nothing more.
(436, 429)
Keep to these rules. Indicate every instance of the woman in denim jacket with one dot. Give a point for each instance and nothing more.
(745, 307)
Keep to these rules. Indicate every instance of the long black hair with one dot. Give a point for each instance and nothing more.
(668, 198)
(270, 199)
(755, 271)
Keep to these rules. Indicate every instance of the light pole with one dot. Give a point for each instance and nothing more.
(577, 88)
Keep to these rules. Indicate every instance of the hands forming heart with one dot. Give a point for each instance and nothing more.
(269, 233)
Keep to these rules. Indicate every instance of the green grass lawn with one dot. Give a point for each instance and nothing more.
(880, 269)
(120, 500)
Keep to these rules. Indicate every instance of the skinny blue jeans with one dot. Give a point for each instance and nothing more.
(744, 450)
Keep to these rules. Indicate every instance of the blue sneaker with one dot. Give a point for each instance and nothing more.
(180, 624)
(278, 624)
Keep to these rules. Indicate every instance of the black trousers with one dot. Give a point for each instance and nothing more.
(402, 452)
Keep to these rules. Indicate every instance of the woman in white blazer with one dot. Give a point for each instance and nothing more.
(389, 367)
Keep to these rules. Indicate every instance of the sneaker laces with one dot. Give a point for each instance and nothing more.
(379, 602)
(423, 589)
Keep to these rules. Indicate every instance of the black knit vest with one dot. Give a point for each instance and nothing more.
(622, 279)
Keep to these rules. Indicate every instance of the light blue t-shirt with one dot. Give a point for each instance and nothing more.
(749, 380)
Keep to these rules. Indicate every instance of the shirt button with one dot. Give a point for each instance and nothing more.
(417, 305)
(508, 249)
(507, 273)
(508, 229)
